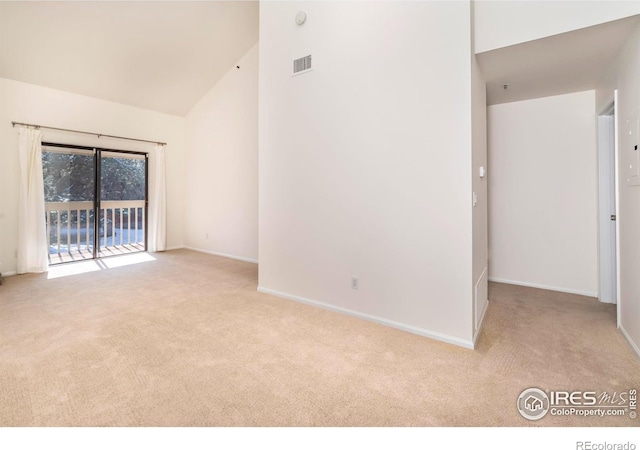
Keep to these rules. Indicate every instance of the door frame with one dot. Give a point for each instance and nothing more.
(608, 187)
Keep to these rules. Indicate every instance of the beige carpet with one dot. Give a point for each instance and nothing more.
(187, 341)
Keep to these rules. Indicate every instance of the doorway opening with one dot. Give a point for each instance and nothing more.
(95, 201)
(607, 205)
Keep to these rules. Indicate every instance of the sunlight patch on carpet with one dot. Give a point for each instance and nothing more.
(77, 268)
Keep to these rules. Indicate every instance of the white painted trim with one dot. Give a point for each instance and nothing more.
(400, 326)
(9, 274)
(176, 247)
(541, 286)
(477, 333)
(630, 341)
(225, 255)
(617, 183)
(477, 318)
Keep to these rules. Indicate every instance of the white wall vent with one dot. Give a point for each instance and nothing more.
(301, 65)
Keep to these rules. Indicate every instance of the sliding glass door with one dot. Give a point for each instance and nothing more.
(82, 184)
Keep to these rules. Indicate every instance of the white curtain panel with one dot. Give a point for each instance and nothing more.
(157, 201)
(32, 231)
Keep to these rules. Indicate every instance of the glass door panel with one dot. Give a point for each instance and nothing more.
(122, 207)
(69, 191)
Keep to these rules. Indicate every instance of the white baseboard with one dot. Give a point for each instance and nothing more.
(176, 247)
(400, 326)
(9, 274)
(541, 286)
(477, 333)
(630, 341)
(225, 255)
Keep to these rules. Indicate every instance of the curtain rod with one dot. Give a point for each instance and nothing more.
(86, 132)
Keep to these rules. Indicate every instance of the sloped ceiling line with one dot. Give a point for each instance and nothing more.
(162, 56)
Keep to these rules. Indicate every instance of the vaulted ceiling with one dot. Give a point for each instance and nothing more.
(165, 55)
(162, 56)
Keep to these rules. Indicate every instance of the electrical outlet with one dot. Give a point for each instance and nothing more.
(206, 236)
(355, 283)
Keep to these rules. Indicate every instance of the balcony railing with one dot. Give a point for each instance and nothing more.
(70, 229)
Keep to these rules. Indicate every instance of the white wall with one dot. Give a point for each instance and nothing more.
(503, 23)
(222, 186)
(364, 162)
(625, 76)
(479, 185)
(28, 103)
(543, 193)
